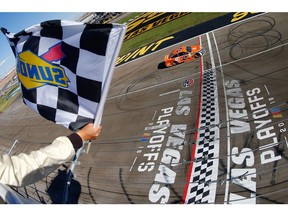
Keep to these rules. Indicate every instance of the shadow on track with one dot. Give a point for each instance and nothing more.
(56, 189)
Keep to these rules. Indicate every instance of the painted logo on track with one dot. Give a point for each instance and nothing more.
(34, 71)
(187, 83)
(148, 21)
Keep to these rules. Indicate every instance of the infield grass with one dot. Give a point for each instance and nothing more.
(167, 29)
(4, 102)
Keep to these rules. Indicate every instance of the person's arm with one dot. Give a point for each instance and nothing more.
(25, 169)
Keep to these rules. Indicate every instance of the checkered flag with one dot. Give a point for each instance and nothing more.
(65, 68)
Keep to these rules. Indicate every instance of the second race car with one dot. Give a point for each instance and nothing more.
(183, 54)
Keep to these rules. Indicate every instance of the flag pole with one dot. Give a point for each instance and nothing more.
(70, 173)
(99, 112)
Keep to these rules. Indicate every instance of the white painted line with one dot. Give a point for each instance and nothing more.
(228, 125)
(154, 127)
(267, 90)
(286, 141)
(167, 93)
(214, 174)
(152, 86)
(256, 54)
(133, 164)
(154, 115)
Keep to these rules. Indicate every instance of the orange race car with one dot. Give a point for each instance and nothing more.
(183, 54)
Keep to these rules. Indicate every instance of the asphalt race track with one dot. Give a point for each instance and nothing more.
(220, 139)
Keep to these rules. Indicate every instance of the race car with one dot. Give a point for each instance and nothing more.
(183, 54)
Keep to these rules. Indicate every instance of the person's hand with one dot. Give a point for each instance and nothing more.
(89, 132)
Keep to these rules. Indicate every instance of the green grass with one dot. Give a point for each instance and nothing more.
(4, 103)
(167, 29)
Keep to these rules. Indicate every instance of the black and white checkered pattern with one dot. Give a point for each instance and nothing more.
(205, 168)
(88, 50)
